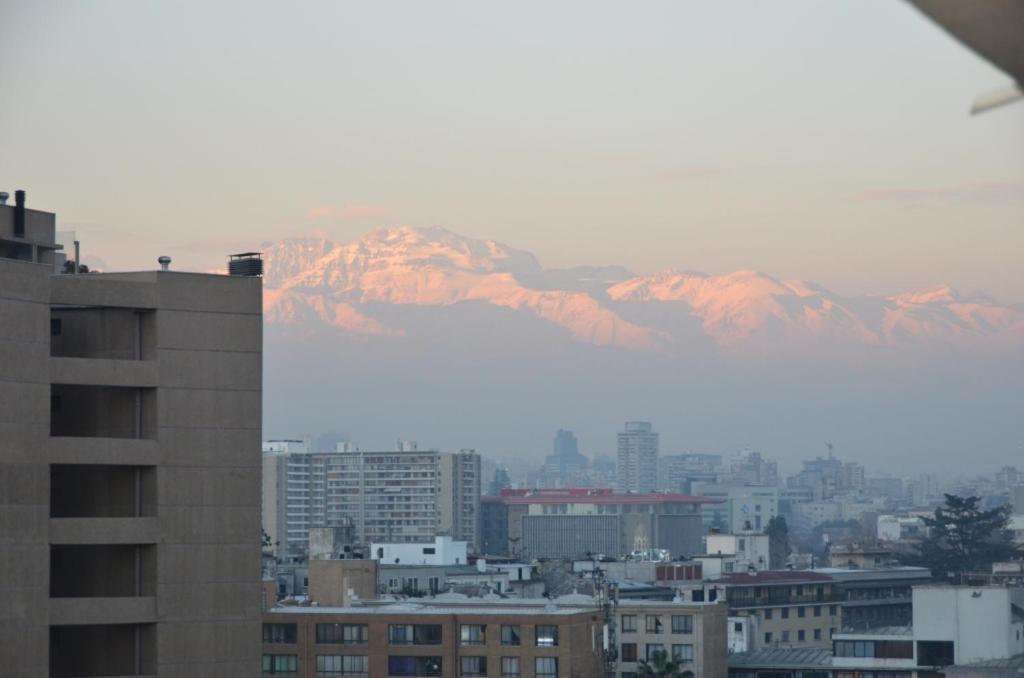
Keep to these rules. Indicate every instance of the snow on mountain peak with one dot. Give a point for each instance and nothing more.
(311, 279)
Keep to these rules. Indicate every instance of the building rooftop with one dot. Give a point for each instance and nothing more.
(891, 631)
(771, 577)
(597, 496)
(867, 574)
(796, 658)
(455, 603)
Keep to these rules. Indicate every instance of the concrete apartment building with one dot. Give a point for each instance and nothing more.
(396, 496)
(693, 634)
(570, 523)
(637, 463)
(448, 636)
(129, 466)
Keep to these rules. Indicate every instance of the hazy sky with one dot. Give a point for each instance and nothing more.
(829, 141)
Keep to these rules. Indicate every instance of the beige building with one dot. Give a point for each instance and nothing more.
(448, 636)
(129, 466)
(692, 634)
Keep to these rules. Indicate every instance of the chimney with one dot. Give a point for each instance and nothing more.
(19, 214)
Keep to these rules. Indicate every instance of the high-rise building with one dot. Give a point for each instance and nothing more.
(129, 466)
(398, 496)
(638, 458)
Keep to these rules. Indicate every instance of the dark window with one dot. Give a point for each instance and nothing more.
(767, 637)
(510, 634)
(801, 612)
(473, 666)
(801, 635)
(934, 652)
(342, 634)
(414, 666)
(817, 610)
(629, 623)
(429, 550)
(280, 663)
(682, 623)
(414, 634)
(55, 327)
(629, 652)
(785, 613)
(817, 634)
(279, 633)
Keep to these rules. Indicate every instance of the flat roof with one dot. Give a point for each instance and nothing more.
(769, 577)
(771, 657)
(649, 498)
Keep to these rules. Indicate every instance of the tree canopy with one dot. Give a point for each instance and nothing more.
(962, 538)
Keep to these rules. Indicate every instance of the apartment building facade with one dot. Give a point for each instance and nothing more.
(637, 462)
(692, 634)
(448, 637)
(129, 462)
(397, 496)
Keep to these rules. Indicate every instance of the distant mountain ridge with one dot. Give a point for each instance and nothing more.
(312, 282)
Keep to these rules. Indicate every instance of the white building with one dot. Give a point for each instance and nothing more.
(742, 508)
(970, 623)
(637, 463)
(730, 553)
(444, 551)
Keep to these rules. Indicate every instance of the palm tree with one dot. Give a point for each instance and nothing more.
(660, 666)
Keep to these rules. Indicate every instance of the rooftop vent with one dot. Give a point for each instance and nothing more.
(165, 263)
(247, 264)
(4, 195)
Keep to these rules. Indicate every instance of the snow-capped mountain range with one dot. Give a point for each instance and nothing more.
(313, 282)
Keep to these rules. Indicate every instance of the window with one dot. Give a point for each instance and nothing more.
(801, 611)
(629, 623)
(653, 624)
(801, 635)
(55, 327)
(429, 550)
(785, 636)
(817, 634)
(279, 633)
(510, 634)
(414, 666)
(682, 653)
(817, 610)
(473, 666)
(682, 623)
(342, 634)
(768, 613)
(833, 610)
(785, 613)
(341, 665)
(472, 634)
(651, 649)
(737, 627)
(414, 634)
(510, 667)
(629, 652)
(545, 667)
(280, 663)
(767, 638)
(547, 635)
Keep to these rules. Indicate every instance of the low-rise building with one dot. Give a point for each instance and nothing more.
(447, 636)
(444, 551)
(876, 597)
(692, 634)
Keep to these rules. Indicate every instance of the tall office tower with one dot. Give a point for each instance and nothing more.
(288, 496)
(459, 497)
(638, 458)
(129, 466)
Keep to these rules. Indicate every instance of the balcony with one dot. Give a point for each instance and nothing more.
(102, 651)
(102, 584)
(102, 411)
(102, 491)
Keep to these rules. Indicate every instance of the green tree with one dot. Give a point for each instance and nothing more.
(778, 542)
(962, 538)
(660, 666)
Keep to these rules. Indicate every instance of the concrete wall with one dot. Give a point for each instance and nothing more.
(337, 583)
(977, 619)
(24, 471)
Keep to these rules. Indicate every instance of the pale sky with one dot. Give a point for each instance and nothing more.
(827, 141)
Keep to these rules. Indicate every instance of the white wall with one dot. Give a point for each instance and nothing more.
(445, 551)
(977, 619)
